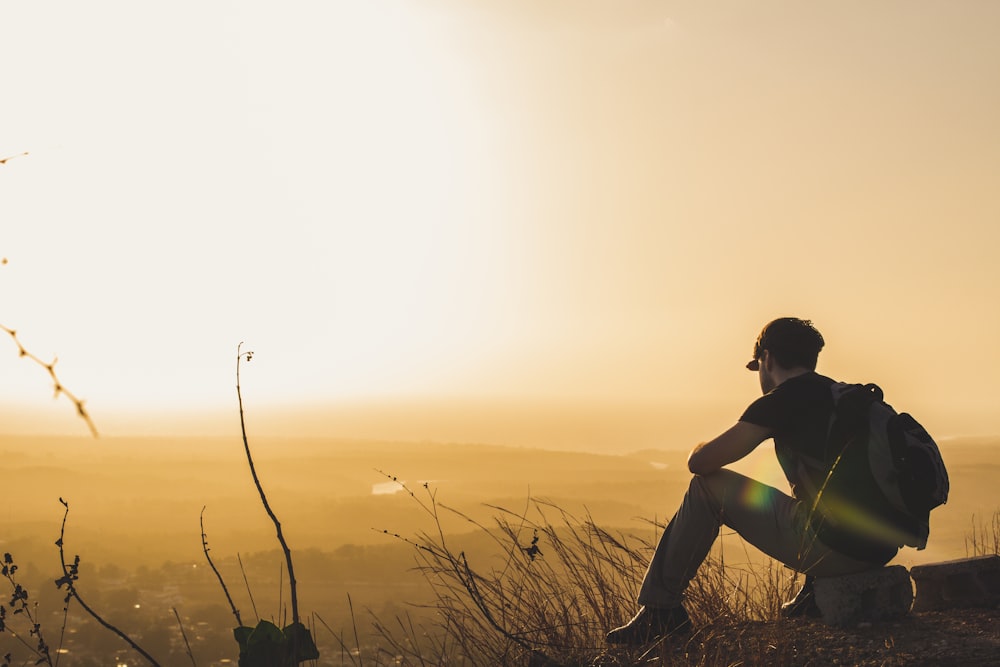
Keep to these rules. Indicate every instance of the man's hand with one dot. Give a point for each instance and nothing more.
(731, 446)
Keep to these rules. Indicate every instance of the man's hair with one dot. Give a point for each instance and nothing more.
(793, 342)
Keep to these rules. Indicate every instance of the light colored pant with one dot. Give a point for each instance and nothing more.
(765, 517)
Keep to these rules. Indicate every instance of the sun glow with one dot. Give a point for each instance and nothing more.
(429, 200)
(355, 222)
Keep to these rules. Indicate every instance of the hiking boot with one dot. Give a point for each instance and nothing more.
(804, 602)
(651, 624)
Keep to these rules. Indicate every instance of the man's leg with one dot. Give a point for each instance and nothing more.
(765, 517)
(683, 546)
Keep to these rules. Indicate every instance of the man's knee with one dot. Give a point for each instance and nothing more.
(719, 482)
(720, 487)
(709, 489)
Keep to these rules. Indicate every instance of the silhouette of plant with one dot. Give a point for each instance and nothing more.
(984, 538)
(20, 607)
(187, 644)
(71, 573)
(484, 610)
(262, 646)
(556, 584)
(266, 645)
(18, 604)
(225, 589)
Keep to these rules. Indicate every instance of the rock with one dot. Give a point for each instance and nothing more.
(966, 582)
(874, 595)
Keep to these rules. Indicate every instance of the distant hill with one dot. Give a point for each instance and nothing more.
(140, 498)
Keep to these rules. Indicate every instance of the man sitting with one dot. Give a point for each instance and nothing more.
(795, 411)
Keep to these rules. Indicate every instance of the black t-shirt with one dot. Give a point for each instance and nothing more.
(797, 412)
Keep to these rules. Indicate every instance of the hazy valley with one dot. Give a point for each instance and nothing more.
(135, 505)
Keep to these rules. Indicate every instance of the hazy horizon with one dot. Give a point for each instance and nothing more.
(137, 499)
(581, 425)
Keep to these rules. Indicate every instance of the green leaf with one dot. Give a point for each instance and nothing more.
(298, 636)
(242, 634)
(266, 633)
(265, 646)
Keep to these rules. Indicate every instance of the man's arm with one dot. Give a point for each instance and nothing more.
(731, 446)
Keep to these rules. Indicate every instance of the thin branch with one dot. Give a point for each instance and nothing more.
(185, 637)
(247, 584)
(260, 489)
(204, 547)
(62, 631)
(11, 157)
(354, 622)
(69, 578)
(57, 386)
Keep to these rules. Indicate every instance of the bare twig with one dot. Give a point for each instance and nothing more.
(11, 157)
(69, 578)
(246, 582)
(204, 546)
(56, 384)
(354, 622)
(62, 631)
(263, 498)
(184, 636)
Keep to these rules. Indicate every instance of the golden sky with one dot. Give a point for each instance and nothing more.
(518, 200)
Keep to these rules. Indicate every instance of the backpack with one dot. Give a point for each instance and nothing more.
(904, 460)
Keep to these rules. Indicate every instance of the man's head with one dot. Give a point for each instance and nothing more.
(788, 343)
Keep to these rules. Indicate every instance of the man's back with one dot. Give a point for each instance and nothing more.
(830, 475)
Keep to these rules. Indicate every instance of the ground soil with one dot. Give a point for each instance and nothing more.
(959, 637)
(956, 637)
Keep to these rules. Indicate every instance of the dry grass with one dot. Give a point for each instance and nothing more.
(552, 588)
(984, 538)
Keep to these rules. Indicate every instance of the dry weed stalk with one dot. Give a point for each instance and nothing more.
(246, 582)
(556, 587)
(240, 356)
(71, 573)
(266, 644)
(187, 644)
(225, 589)
(984, 539)
(11, 157)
